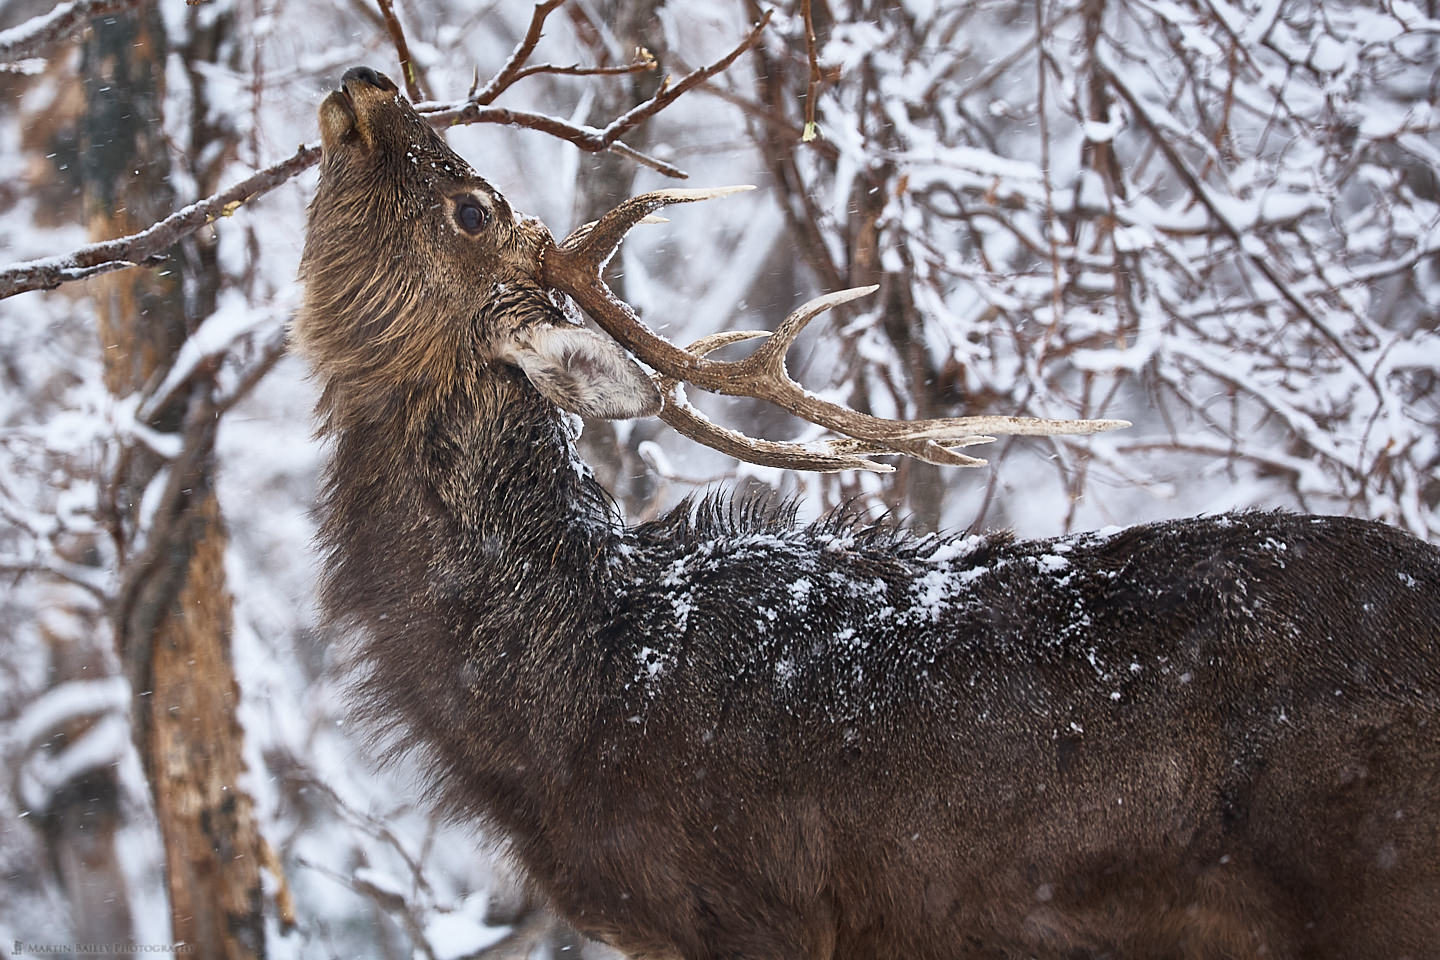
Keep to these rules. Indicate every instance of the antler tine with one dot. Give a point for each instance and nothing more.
(690, 422)
(851, 445)
(596, 242)
(769, 360)
(714, 341)
(793, 455)
(574, 267)
(842, 453)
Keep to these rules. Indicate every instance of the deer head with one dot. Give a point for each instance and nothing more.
(465, 279)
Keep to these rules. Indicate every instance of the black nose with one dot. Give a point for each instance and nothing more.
(365, 75)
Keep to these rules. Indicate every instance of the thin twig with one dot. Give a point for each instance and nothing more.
(377, 827)
(1057, 306)
(667, 94)
(800, 207)
(812, 87)
(779, 125)
(86, 578)
(388, 900)
(402, 51)
(645, 160)
(274, 349)
(510, 72)
(575, 70)
(999, 67)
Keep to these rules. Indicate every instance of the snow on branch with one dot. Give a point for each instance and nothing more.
(151, 243)
(97, 709)
(36, 35)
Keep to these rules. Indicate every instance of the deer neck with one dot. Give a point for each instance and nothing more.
(471, 499)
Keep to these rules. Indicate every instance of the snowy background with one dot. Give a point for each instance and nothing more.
(1218, 220)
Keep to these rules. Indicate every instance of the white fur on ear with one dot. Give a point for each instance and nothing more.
(583, 372)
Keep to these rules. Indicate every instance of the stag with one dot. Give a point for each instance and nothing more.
(724, 734)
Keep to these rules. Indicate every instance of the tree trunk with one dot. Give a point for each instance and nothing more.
(173, 615)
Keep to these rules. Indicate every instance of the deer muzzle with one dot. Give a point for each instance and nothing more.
(344, 112)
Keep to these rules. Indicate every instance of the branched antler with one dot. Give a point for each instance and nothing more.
(686, 420)
(574, 266)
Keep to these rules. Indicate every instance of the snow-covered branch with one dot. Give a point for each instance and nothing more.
(150, 243)
(35, 36)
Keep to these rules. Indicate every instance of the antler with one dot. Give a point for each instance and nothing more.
(574, 266)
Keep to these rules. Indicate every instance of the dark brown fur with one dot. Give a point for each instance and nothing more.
(724, 735)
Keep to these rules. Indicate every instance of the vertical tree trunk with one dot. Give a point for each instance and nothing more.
(173, 616)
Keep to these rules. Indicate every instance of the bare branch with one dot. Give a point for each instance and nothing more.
(812, 86)
(641, 64)
(776, 122)
(408, 70)
(50, 272)
(667, 94)
(474, 110)
(585, 138)
(645, 160)
(512, 71)
(274, 349)
(89, 579)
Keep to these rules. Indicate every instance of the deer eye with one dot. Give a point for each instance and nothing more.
(470, 216)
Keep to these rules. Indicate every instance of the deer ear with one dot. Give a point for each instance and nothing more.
(583, 372)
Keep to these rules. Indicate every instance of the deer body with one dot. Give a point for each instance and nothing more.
(725, 735)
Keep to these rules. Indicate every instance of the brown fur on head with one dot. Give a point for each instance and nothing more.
(415, 266)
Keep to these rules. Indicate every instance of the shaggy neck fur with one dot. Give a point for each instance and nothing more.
(462, 530)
